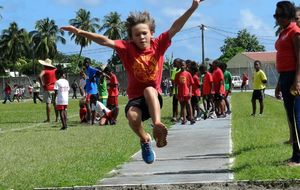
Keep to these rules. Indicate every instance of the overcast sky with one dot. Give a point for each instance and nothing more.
(224, 18)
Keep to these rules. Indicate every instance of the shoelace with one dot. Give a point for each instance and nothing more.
(146, 146)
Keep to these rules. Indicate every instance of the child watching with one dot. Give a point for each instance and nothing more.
(105, 115)
(61, 89)
(183, 89)
(82, 110)
(142, 56)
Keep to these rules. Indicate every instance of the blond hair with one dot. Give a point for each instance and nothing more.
(135, 18)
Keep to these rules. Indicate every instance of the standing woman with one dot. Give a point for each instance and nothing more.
(288, 66)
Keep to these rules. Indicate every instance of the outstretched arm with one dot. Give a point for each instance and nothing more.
(179, 23)
(99, 39)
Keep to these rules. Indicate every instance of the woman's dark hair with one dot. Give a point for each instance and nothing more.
(288, 9)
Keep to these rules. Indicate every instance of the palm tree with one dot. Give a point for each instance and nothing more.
(113, 26)
(114, 29)
(45, 37)
(14, 43)
(83, 21)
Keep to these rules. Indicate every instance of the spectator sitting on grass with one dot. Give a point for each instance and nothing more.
(100, 111)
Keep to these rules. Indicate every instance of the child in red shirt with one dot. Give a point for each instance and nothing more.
(183, 87)
(7, 92)
(113, 91)
(218, 86)
(142, 56)
(82, 111)
(196, 93)
(207, 89)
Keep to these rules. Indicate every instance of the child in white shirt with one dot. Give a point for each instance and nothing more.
(99, 110)
(61, 88)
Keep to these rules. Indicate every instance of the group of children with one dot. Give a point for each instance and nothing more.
(192, 82)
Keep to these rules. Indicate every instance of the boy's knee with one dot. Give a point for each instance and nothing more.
(149, 90)
(133, 117)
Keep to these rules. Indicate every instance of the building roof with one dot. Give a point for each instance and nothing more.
(264, 57)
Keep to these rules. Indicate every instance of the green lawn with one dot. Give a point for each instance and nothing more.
(34, 154)
(259, 148)
(39, 155)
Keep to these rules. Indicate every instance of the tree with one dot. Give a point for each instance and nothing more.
(114, 29)
(244, 42)
(113, 26)
(13, 44)
(83, 21)
(45, 37)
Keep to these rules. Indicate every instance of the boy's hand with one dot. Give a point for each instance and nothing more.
(196, 3)
(70, 29)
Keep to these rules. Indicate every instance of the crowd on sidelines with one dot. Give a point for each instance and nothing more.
(213, 86)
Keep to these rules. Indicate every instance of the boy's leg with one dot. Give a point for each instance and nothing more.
(175, 108)
(261, 104)
(102, 121)
(63, 119)
(253, 106)
(134, 116)
(48, 110)
(189, 106)
(160, 132)
(183, 112)
(253, 100)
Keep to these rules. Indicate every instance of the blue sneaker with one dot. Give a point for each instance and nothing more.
(147, 152)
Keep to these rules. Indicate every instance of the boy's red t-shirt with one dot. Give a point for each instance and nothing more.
(196, 85)
(113, 82)
(49, 79)
(207, 82)
(286, 56)
(183, 80)
(144, 67)
(218, 76)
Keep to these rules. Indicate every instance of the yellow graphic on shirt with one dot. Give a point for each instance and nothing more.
(145, 68)
(182, 79)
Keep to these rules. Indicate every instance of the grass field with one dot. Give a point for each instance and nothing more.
(34, 154)
(259, 148)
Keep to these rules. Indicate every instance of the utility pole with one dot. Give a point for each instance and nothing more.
(202, 28)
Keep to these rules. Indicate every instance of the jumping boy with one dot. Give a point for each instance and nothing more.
(142, 56)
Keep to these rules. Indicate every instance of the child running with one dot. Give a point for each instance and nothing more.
(142, 56)
(61, 89)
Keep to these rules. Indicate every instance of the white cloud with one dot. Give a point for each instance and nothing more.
(249, 20)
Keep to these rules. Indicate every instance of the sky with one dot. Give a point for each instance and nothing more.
(223, 18)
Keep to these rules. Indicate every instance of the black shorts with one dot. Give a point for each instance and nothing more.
(175, 102)
(195, 100)
(258, 95)
(219, 97)
(142, 105)
(208, 97)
